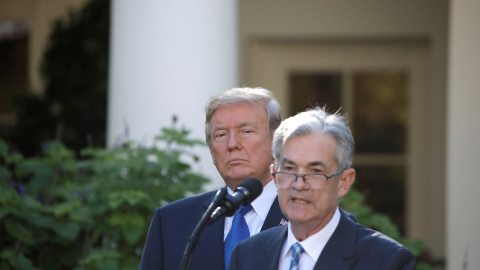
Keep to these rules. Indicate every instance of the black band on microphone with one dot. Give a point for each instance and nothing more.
(245, 193)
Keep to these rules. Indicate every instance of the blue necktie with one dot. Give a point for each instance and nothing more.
(237, 233)
(297, 250)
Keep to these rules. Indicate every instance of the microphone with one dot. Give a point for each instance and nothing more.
(245, 193)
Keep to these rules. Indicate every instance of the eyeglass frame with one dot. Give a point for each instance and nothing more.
(303, 176)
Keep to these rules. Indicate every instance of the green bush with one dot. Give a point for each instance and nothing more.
(354, 203)
(59, 212)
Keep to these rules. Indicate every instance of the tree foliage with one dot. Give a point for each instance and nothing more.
(75, 74)
(60, 212)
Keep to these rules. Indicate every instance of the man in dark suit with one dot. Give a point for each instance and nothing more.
(313, 155)
(239, 128)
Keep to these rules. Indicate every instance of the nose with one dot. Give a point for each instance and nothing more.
(299, 184)
(233, 141)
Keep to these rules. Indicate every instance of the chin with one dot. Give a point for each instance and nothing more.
(239, 176)
(297, 217)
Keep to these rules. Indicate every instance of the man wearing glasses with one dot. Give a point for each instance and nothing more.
(313, 153)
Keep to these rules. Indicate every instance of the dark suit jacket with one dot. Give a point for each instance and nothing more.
(352, 246)
(173, 224)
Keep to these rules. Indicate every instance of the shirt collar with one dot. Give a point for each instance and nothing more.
(262, 203)
(315, 243)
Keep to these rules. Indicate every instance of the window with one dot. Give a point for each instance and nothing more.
(379, 121)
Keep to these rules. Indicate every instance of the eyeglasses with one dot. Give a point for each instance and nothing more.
(312, 181)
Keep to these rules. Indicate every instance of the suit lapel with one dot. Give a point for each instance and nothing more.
(274, 216)
(211, 243)
(329, 259)
(273, 249)
(340, 247)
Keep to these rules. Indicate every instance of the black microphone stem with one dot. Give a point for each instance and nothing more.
(193, 240)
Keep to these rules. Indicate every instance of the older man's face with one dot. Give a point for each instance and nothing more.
(241, 146)
(311, 209)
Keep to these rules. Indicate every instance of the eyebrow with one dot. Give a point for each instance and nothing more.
(245, 123)
(310, 164)
(215, 129)
(240, 125)
(287, 161)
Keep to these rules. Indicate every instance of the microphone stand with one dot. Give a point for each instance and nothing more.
(193, 240)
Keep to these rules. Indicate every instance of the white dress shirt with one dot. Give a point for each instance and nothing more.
(313, 245)
(256, 217)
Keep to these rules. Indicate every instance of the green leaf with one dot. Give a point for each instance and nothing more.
(3, 213)
(7, 253)
(178, 136)
(18, 261)
(107, 265)
(134, 219)
(66, 207)
(132, 233)
(132, 197)
(82, 215)
(68, 230)
(424, 266)
(133, 225)
(31, 204)
(42, 221)
(13, 158)
(5, 174)
(415, 246)
(18, 231)
(131, 262)
(115, 200)
(21, 262)
(102, 259)
(9, 197)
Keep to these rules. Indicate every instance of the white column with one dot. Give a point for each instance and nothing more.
(167, 57)
(463, 137)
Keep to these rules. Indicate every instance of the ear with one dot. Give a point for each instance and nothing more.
(272, 171)
(346, 181)
(211, 154)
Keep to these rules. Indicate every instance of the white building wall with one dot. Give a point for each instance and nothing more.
(167, 58)
(463, 137)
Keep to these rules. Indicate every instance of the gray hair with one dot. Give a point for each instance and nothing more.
(313, 121)
(255, 96)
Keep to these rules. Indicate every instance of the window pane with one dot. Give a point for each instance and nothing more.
(384, 190)
(311, 89)
(380, 111)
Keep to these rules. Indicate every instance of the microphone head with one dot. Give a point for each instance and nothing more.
(253, 187)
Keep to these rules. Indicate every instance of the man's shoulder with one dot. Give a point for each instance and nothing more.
(373, 237)
(370, 247)
(366, 235)
(188, 203)
(376, 246)
(365, 238)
